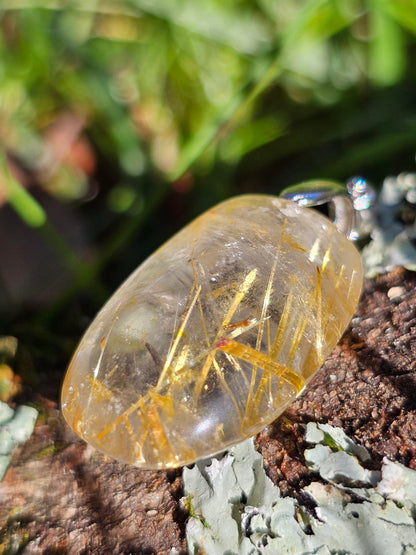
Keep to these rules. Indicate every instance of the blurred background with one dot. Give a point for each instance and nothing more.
(121, 120)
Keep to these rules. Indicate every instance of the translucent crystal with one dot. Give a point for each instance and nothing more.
(214, 335)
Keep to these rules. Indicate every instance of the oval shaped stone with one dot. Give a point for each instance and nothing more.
(213, 336)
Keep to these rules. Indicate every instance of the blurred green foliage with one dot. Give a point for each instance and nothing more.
(110, 106)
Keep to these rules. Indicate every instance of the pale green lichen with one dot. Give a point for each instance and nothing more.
(335, 438)
(6, 413)
(398, 483)
(393, 230)
(15, 428)
(220, 492)
(337, 458)
(237, 509)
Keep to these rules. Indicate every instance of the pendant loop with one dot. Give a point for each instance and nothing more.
(350, 207)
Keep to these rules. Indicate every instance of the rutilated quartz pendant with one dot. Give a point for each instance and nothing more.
(213, 336)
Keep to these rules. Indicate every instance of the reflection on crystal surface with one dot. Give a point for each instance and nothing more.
(214, 335)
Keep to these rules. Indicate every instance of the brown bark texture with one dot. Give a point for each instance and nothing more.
(61, 496)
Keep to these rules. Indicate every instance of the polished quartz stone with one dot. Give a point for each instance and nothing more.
(214, 335)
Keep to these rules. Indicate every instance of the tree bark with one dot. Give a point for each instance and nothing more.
(61, 496)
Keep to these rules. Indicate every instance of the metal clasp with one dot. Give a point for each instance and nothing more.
(349, 207)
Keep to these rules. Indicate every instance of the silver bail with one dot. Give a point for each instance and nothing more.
(350, 207)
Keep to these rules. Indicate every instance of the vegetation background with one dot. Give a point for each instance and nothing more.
(121, 120)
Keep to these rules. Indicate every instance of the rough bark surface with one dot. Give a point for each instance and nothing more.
(61, 496)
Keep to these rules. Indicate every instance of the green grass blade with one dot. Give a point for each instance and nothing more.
(26, 206)
(404, 11)
(387, 55)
